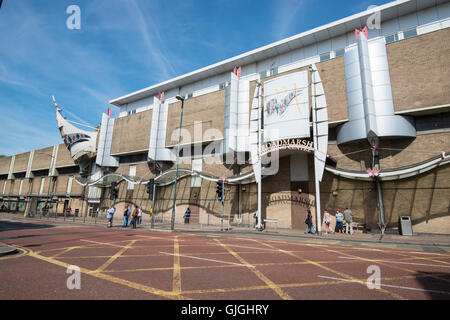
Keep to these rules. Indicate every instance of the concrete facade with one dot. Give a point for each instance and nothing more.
(419, 75)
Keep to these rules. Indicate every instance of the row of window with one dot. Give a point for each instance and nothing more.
(323, 57)
(389, 39)
(396, 36)
(44, 173)
(425, 123)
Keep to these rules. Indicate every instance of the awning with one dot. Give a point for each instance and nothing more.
(395, 174)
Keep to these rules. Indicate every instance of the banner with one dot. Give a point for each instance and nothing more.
(286, 107)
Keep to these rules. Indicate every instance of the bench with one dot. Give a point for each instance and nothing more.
(355, 226)
(358, 226)
(271, 221)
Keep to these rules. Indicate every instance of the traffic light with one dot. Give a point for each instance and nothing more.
(219, 190)
(150, 186)
(111, 191)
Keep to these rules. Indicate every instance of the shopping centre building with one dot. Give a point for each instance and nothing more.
(355, 113)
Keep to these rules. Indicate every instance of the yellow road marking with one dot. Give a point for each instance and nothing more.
(114, 257)
(382, 290)
(343, 275)
(65, 251)
(110, 278)
(259, 274)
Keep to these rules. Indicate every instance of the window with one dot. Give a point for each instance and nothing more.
(40, 173)
(340, 52)
(410, 33)
(19, 175)
(439, 121)
(222, 85)
(133, 158)
(263, 74)
(391, 38)
(68, 170)
(274, 71)
(189, 95)
(325, 56)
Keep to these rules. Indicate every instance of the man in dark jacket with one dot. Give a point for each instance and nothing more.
(187, 215)
(309, 223)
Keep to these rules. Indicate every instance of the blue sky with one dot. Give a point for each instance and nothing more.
(124, 46)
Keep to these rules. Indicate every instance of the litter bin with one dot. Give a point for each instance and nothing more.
(405, 226)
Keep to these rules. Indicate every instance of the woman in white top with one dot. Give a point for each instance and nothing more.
(139, 215)
(327, 220)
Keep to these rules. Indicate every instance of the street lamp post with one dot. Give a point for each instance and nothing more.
(172, 224)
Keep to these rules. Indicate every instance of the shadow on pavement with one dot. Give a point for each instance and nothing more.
(17, 225)
(437, 284)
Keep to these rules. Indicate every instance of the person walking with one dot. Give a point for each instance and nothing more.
(110, 215)
(134, 217)
(309, 223)
(139, 215)
(255, 217)
(339, 221)
(187, 215)
(126, 214)
(327, 221)
(348, 221)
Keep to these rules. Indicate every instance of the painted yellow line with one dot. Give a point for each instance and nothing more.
(258, 273)
(176, 282)
(346, 276)
(110, 278)
(350, 277)
(114, 257)
(65, 251)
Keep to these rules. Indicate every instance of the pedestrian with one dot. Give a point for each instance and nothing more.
(255, 217)
(126, 214)
(327, 221)
(69, 210)
(139, 215)
(134, 217)
(110, 215)
(187, 215)
(45, 210)
(339, 221)
(309, 223)
(348, 221)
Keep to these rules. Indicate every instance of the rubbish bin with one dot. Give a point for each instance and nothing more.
(405, 226)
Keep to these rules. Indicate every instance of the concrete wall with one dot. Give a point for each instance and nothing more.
(21, 162)
(131, 133)
(420, 70)
(42, 159)
(63, 157)
(209, 109)
(4, 165)
(394, 153)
